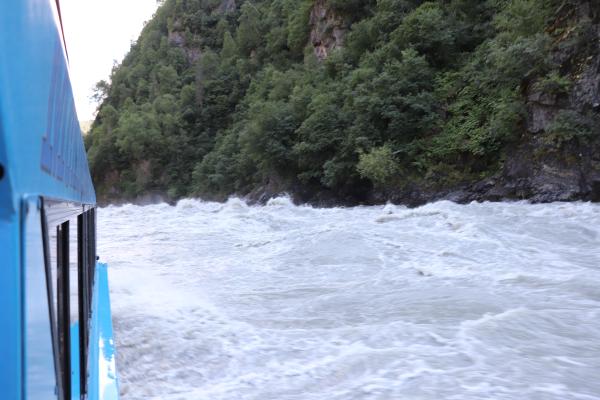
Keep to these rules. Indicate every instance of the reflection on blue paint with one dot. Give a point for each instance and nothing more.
(41, 147)
(103, 383)
(40, 377)
(75, 361)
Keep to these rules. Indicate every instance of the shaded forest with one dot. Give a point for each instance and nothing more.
(354, 101)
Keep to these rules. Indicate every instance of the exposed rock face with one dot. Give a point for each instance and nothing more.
(177, 38)
(585, 96)
(227, 6)
(144, 172)
(193, 54)
(541, 110)
(584, 67)
(327, 30)
(541, 172)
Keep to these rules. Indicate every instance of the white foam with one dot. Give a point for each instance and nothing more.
(282, 201)
(230, 301)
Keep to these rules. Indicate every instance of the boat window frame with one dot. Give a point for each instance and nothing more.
(56, 214)
(50, 294)
(63, 309)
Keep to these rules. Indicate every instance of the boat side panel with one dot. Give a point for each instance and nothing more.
(10, 297)
(7, 207)
(102, 365)
(75, 391)
(41, 136)
(41, 155)
(40, 375)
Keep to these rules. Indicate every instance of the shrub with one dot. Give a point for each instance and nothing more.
(378, 165)
(569, 125)
(553, 84)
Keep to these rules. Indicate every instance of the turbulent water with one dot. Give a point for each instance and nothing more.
(226, 301)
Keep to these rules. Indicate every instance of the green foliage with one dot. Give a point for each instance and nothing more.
(378, 165)
(570, 125)
(248, 34)
(353, 9)
(517, 60)
(213, 102)
(269, 136)
(521, 18)
(221, 170)
(553, 84)
(230, 48)
(298, 26)
(320, 137)
(428, 30)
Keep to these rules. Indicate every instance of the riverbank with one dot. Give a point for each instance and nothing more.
(531, 172)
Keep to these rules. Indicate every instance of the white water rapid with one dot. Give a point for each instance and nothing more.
(278, 302)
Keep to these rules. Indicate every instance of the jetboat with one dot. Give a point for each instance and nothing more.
(56, 337)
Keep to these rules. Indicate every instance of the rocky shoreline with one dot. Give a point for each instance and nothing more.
(530, 172)
(545, 185)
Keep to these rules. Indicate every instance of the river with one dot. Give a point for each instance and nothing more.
(279, 302)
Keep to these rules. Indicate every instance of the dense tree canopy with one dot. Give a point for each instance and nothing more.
(218, 97)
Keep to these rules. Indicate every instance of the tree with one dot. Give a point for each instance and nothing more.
(378, 165)
(248, 34)
(100, 91)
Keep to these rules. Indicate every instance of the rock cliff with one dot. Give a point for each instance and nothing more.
(327, 29)
(545, 168)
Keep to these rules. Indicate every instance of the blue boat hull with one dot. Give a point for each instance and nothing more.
(47, 209)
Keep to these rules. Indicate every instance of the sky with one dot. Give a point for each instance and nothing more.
(97, 33)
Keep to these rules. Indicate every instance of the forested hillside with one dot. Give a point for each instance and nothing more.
(349, 101)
